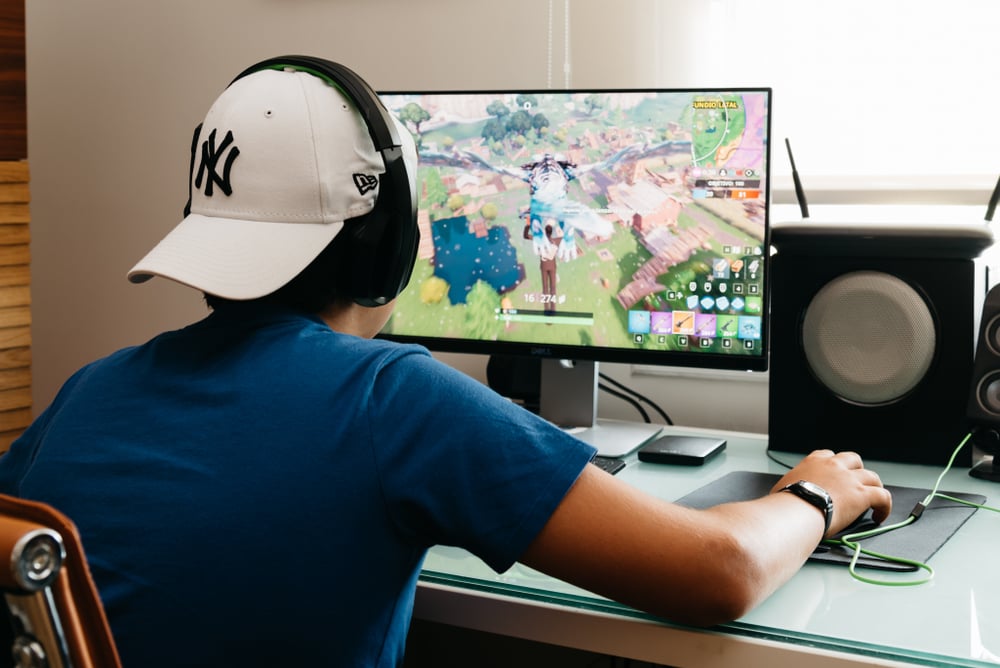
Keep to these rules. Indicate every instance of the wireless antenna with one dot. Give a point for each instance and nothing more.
(800, 194)
(994, 198)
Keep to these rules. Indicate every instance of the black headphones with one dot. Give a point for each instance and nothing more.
(383, 243)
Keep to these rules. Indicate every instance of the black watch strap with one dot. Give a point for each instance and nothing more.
(816, 495)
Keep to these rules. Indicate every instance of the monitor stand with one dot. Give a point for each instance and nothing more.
(986, 450)
(988, 469)
(569, 399)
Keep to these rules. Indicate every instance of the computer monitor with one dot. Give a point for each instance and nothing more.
(588, 226)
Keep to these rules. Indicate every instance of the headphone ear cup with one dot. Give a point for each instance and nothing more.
(385, 241)
(383, 248)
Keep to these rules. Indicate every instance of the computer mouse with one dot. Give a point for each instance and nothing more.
(862, 523)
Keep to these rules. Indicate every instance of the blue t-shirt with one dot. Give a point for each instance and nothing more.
(257, 489)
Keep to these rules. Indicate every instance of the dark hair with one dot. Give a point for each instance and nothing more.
(320, 284)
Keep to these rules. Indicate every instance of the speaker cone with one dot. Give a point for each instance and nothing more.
(868, 337)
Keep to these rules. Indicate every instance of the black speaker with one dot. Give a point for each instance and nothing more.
(872, 332)
(984, 395)
(384, 242)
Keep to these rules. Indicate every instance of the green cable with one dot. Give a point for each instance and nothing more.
(951, 460)
(967, 503)
(851, 540)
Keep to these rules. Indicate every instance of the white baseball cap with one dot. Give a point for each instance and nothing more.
(282, 159)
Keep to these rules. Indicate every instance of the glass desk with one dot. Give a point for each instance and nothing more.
(822, 617)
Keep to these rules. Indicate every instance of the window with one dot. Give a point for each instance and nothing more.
(882, 101)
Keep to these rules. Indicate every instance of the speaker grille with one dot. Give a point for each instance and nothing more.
(986, 393)
(868, 337)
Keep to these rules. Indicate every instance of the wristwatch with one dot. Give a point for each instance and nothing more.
(816, 495)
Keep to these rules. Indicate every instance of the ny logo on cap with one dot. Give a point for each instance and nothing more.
(365, 182)
(209, 160)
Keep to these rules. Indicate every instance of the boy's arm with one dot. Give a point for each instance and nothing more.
(699, 567)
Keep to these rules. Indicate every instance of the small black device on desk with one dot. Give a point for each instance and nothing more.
(684, 450)
(610, 464)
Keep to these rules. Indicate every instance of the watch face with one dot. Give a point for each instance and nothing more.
(815, 489)
(814, 494)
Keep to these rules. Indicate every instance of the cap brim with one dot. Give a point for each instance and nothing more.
(234, 259)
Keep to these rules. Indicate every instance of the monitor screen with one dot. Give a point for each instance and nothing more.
(602, 225)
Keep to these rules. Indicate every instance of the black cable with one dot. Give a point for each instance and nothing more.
(992, 205)
(800, 194)
(625, 397)
(776, 460)
(637, 395)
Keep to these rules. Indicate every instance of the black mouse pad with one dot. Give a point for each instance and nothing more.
(917, 541)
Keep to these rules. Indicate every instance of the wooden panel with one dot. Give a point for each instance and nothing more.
(15, 358)
(13, 88)
(13, 235)
(15, 274)
(15, 255)
(14, 192)
(19, 295)
(15, 316)
(17, 419)
(14, 213)
(19, 397)
(12, 424)
(15, 337)
(12, 378)
(15, 300)
(15, 171)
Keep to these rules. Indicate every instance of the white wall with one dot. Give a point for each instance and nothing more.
(115, 88)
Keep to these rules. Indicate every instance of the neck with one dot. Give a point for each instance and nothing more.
(351, 318)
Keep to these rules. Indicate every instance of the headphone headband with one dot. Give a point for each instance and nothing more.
(380, 126)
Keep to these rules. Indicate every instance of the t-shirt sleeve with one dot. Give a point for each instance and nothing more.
(461, 465)
(16, 462)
